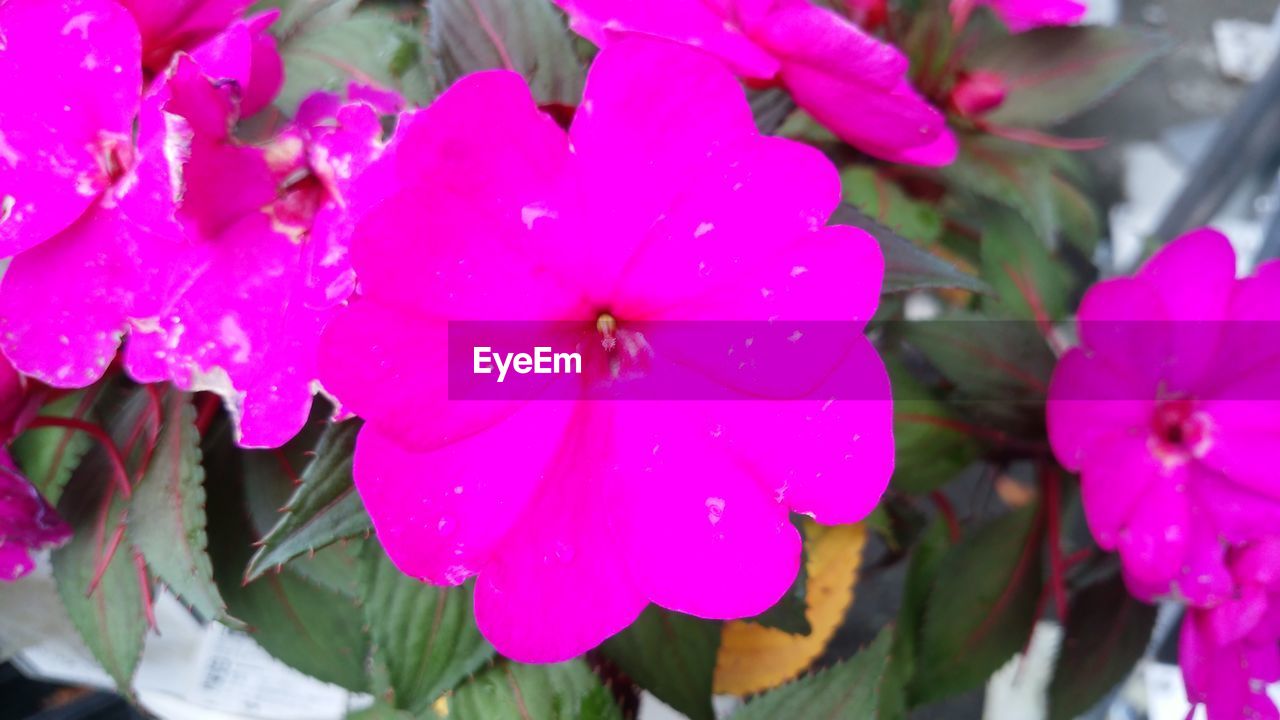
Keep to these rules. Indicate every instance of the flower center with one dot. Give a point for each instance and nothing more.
(1180, 430)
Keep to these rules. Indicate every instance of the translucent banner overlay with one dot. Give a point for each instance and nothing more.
(985, 360)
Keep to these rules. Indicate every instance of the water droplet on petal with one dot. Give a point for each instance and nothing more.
(446, 526)
(564, 552)
(715, 509)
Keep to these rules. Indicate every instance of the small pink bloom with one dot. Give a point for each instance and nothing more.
(978, 93)
(268, 266)
(1230, 651)
(849, 81)
(1023, 15)
(577, 513)
(1169, 410)
(169, 26)
(27, 522)
(869, 14)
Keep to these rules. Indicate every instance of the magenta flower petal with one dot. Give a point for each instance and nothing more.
(169, 26)
(1116, 475)
(99, 265)
(554, 230)
(849, 81)
(384, 363)
(1154, 543)
(720, 524)
(695, 248)
(1023, 15)
(558, 586)
(72, 81)
(246, 53)
(467, 495)
(1090, 402)
(27, 522)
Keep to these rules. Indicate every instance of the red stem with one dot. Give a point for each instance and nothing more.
(144, 584)
(1052, 508)
(97, 433)
(105, 560)
(948, 513)
(208, 410)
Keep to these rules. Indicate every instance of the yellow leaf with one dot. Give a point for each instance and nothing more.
(754, 658)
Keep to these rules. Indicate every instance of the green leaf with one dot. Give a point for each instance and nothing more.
(1106, 633)
(1028, 283)
(167, 515)
(425, 636)
(1055, 73)
(48, 455)
(111, 620)
(922, 570)
(528, 692)
(982, 609)
(672, 656)
(929, 449)
(299, 15)
(1015, 175)
(324, 508)
(599, 705)
(849, 691)
(1000, 369)
(380, 711)
(881, 198)
(906, 266)
(336, 48)
(1077, 216)
(527, 36)
(313, 628)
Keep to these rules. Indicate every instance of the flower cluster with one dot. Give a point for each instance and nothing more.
(1168, 411)
(220, 259)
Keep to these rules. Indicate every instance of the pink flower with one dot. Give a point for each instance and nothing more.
(168, 26)
(1169, 410)
(27, 522)
(78, 205)
(849, 81)
(662, 202)
(1230, 652)
(180, 234)
(267, 268)
(978, 93)
(1023, 15)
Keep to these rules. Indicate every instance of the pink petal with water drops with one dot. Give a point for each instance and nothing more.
(571, 575)
(1154, 542)
(72, 80)
(830, 456)
(100, 269)
(727, 547)
(696, 246)
(384, 363)
(441, 514)
(1117, 472)
(1091, 403)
